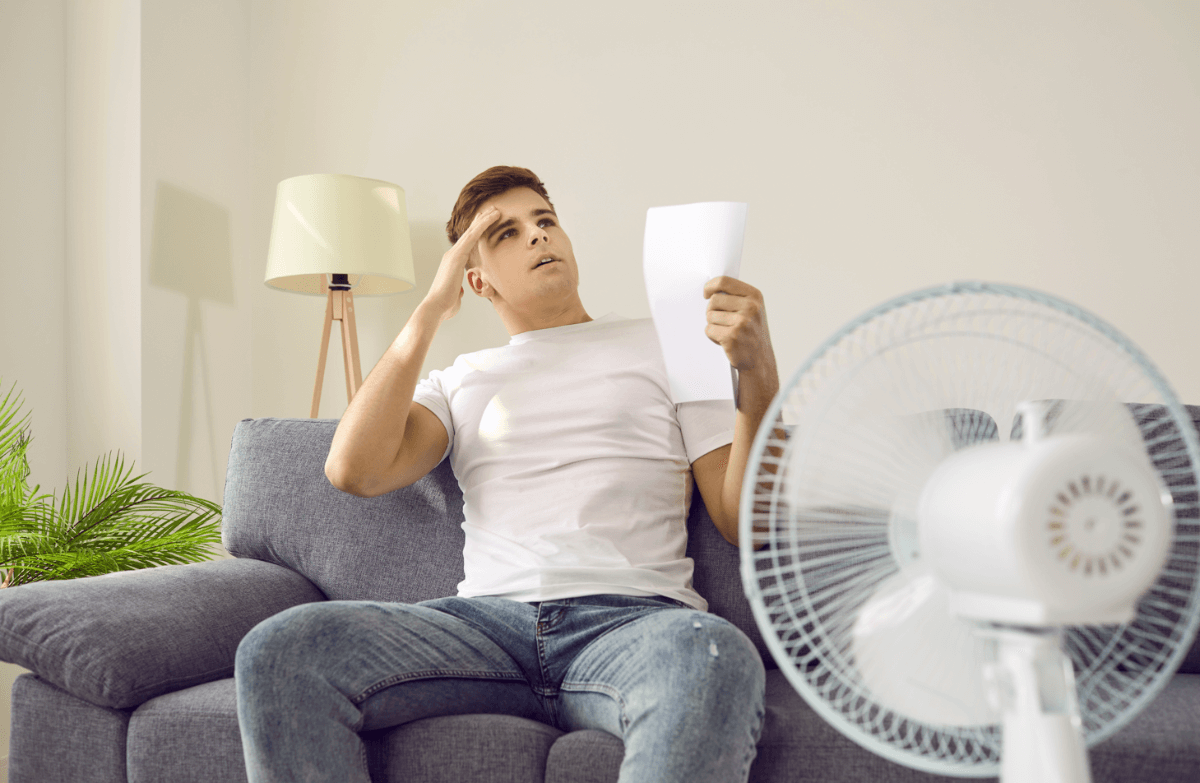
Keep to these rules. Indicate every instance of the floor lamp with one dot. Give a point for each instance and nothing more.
(336, 235)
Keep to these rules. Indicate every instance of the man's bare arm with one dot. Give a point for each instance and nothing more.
(384, 442)
(737, 321)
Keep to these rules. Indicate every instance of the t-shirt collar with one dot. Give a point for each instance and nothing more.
(556, 331)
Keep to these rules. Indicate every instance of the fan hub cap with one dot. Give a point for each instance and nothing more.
(1091, 526)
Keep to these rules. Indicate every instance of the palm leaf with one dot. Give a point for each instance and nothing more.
(11, 431)
(112, 522)
(14, 445)
(107, 520)
(87, 503)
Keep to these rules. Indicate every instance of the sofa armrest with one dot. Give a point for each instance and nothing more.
(120, 639)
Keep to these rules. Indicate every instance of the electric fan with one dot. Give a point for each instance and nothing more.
(971, 536)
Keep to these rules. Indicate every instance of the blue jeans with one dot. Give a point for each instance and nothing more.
(683, 689)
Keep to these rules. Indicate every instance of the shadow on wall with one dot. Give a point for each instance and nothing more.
(190, 253)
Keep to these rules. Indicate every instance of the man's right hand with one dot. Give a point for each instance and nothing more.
(442, 297)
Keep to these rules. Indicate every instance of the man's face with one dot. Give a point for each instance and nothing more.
(524, 257)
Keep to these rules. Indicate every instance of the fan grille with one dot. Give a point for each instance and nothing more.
(844, 452)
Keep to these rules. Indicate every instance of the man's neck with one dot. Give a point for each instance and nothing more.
(518, 322)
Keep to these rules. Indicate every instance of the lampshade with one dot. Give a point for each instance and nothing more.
(329, 224)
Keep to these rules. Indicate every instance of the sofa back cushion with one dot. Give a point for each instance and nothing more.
(279, 507)
(404, 546)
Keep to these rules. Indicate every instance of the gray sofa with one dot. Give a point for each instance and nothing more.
(132, 673)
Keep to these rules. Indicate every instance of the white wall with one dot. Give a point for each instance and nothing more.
(33, 224)
(198, 257)
(882, 147)
(103, 230)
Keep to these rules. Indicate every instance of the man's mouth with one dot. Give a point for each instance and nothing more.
(544, 261)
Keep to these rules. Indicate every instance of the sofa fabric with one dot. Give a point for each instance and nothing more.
(173, 737)
(131, 673)
(58, 738)
(280, 508)
(457, 748)
(120, 639)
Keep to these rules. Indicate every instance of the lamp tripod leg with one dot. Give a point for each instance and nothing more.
(316, 400)
(350, 347)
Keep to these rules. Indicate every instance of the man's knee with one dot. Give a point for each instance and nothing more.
(734, 663)
(291, 639)
(277, 636)
(710, 657)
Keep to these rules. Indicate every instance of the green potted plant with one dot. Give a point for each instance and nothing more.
(107, 521)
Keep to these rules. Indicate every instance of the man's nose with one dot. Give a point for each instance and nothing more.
(538, 234)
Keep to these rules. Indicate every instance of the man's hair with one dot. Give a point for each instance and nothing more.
(493, 182)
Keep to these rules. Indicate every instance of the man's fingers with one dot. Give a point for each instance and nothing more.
(480, 224)
(718, 334)
(460, 254)
(722, 301)
(728, 285)
(724, 317)
(734, 303)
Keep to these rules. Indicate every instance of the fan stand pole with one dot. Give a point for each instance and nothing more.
(1033, 684)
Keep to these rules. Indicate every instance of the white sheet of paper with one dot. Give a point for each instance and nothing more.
(686, 246)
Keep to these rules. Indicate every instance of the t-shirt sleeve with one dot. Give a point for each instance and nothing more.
(706, 425)
(431, 392)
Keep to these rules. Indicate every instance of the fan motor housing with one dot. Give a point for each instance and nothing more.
(1063, 530)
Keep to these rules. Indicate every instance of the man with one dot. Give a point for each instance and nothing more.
(577, 608)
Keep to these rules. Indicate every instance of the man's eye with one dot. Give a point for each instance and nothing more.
(508, 233)
(545, 222)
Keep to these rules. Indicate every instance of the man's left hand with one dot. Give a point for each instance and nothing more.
(737, 321)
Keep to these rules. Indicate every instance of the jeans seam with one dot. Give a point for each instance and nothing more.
(433, 674)
(538, 625)
(362, 758)
(604, 689)
(755, 736)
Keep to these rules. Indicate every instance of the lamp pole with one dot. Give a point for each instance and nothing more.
(339, 306)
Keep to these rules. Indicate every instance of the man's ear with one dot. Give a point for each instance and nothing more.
(478, 284)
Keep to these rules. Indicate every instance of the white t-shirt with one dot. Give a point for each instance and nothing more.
(574, 464)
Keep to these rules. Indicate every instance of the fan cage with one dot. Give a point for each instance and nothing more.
(825, 548)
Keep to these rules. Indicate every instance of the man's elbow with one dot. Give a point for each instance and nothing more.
(727, 526)
(342, 479)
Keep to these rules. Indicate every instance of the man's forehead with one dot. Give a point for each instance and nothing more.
(518, 201)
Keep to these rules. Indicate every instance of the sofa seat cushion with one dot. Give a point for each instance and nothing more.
(1160, 743)
(457, 748)
(585, 757)
(189, 736)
